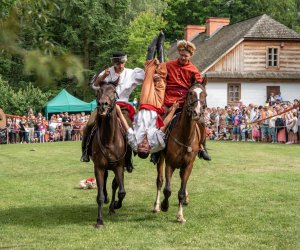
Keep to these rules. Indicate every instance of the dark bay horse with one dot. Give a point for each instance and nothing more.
(108, 149)
(182, 147)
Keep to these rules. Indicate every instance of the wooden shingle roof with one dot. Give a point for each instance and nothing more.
(210, 49)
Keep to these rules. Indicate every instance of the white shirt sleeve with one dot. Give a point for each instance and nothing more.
(138, 76)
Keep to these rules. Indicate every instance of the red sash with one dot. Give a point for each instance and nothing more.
(129, 107)
(159, 111)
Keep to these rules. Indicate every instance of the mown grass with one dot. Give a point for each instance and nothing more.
(248, 197)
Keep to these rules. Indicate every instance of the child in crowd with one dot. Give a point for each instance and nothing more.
(243, 128)
(255, 132)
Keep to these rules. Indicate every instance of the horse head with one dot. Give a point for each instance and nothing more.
(196, 99)
(106, 97)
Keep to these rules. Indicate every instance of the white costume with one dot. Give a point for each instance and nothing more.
(145, 123)
(129, 79)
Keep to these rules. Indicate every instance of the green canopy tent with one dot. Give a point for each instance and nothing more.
(93, 104)
(65, 102)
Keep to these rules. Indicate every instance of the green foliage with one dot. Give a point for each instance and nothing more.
(19, 102)
(141, 31)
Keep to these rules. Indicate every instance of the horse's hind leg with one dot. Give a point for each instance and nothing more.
(159, 183)
(99, 174)
(184, 174)
(167, 190)
(106, 199)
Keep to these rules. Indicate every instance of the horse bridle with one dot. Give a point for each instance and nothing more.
(191, 103)
(112, 101)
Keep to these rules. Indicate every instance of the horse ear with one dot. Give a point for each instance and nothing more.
(204, 81)
(116, 82)
(102, 83)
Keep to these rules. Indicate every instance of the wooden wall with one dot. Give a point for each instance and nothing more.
(251, 56)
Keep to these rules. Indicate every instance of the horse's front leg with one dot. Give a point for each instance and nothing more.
(159, 183)
(119, 173)
(106, 199)
(167, 190)
(114, 187)
(184, 175)
(99, 174)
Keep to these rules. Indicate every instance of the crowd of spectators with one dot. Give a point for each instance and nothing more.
(275, 122)
(37, 129)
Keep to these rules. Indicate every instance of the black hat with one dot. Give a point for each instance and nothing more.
(118, 57)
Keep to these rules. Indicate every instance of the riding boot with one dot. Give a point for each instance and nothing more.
(155, 157)
(84, 145)
(128, 160)
(152, 49)
(160, 47)
(203, 153)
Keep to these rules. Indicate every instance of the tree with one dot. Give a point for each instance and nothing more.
(22, 39)
(141, 32)
(182, 12)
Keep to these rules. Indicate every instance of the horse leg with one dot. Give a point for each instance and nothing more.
(167, 190)
(99, 174)
(114, 186)
(186, 199)
(119, 173)
(106, 199)
(182, 192)
(159, 183)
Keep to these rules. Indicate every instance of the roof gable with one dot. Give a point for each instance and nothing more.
(268, 28)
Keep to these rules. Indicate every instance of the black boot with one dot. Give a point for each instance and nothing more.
(160, 47)
(128, 160)
(86, 137)
(155, 157)
(203, 154)
(152, 49)
(84, 148)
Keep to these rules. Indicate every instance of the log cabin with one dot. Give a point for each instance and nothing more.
(245, 61)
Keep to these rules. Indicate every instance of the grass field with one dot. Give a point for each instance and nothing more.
(248, 197)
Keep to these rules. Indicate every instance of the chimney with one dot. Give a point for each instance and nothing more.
(214, 23)
(190, 31)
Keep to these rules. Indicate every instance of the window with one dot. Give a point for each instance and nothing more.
(272, 57)
(233, 92)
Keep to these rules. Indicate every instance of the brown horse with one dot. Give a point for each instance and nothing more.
(108, 149)
(182, 147)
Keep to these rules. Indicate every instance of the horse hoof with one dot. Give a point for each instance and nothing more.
(117, 205)
(155, 210)
(181, 220)
(106, 201)
(164, 206)
(99, 226)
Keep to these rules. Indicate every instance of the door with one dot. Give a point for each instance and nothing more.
(272, 89)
